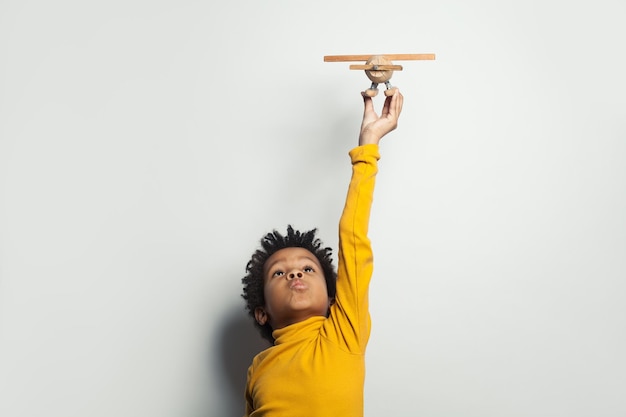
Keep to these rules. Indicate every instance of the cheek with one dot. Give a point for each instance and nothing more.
(271, 291)
(322, 284)
(267, 293)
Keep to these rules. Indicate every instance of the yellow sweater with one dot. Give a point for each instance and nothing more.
(317, 367)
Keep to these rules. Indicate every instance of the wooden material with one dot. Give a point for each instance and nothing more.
(376, 74)
(378, 68)
(391, 57)
(389, 92)
(370, 92)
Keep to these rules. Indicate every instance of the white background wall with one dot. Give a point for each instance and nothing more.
(146, 146)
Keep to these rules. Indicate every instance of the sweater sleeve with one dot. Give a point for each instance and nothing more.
(349, 321)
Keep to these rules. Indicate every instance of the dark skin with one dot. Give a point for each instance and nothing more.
(295, 288)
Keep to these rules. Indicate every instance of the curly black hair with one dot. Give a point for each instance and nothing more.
(271, 243)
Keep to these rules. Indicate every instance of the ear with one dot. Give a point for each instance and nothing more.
(260, 315)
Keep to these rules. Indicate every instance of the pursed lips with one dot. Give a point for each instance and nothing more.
(297, 284)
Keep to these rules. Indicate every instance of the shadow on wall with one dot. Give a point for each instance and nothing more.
(238, 341)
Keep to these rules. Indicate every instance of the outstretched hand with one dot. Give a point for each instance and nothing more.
(374, 127)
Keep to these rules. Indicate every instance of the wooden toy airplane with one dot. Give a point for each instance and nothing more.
(378, 68)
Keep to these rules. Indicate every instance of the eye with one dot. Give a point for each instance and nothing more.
(278, 274)
(308, 269)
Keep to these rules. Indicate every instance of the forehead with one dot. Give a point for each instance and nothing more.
(290, 254)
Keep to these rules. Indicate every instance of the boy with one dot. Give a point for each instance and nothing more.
(318, 320)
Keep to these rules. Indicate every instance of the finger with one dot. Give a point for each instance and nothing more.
(369, 114)
(395, 107)
(368, 104)
(387, 105)
(399, 102)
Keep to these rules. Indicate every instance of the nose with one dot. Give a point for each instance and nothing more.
(294, 275)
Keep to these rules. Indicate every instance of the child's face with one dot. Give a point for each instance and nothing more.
(295, 288)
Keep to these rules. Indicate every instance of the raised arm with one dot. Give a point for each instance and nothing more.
(350, 313)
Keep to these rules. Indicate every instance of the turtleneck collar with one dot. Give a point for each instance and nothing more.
(306, 329)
